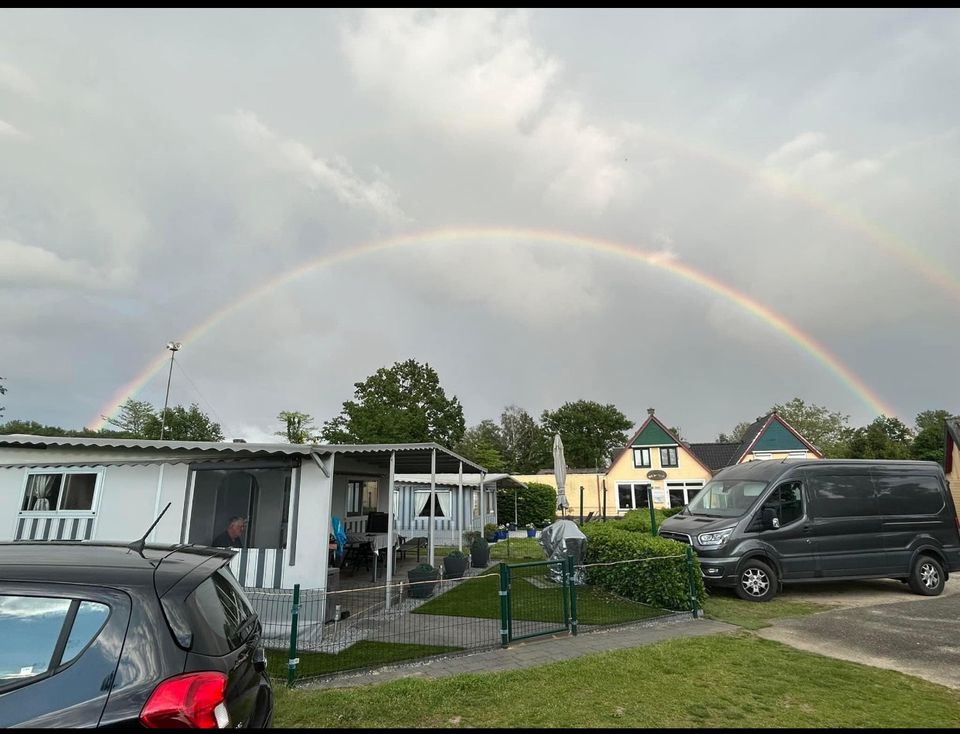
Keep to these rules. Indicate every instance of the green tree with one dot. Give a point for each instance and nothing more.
(483, 445)
(133, 418)
(526, 448)
(736, 435)
(400, 404)
(884, 438)
(33, 428)
(534, 504)
(931, 436)
(184, 424)
(588, 429)
(299, 427)
(826, 430)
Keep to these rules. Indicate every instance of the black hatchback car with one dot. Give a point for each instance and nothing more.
(105, 635)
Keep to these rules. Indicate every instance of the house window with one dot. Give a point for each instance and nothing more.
(681, 493)
(476, 504)
(363, 496)
(641, 458)
(668, 457)
(60, 492)
(631, 496)
(441, 504)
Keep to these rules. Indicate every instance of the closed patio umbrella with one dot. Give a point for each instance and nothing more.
(560, 473)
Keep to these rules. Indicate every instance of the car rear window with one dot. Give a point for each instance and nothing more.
(219, 614)
(40, 634)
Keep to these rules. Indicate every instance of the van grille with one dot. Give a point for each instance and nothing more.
(682, 537)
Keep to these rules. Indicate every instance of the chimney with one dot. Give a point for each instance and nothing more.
(650, 411)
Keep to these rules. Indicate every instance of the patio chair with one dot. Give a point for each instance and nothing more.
(358, 554)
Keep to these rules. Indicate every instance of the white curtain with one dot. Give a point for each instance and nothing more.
(422, 499)
(41, 491)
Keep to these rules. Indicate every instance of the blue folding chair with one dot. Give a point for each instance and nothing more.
(339, 536)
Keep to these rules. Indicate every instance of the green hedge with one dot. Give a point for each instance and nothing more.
(662, 583)
(639, 520)
(536, 502)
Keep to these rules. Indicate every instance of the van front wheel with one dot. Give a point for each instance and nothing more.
(756, 582)
(927, 576)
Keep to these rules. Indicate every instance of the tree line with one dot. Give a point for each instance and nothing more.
(406, 403)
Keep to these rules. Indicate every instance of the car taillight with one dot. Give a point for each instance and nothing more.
(189, 701)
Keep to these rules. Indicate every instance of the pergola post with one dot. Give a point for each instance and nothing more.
(391, 552)
(433, 495)
(460, 513)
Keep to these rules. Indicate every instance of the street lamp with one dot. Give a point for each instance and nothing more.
(174, 347)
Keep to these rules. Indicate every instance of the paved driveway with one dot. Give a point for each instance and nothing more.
(880, 623)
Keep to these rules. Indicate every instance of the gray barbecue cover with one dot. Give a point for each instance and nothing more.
(559, 540)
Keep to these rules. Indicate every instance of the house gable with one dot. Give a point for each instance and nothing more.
(776, 437)
(653, 434)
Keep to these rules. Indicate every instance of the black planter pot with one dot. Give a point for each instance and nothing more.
(479, 556)
(454, 568)
(422, 590)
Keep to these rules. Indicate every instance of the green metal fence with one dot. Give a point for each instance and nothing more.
(312, 633)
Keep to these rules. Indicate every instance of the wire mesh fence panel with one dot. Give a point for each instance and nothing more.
(355, 629)
(539, 604)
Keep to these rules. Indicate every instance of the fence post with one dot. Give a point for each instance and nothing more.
(293, 660)
(572, 585)
(504, 604)
(691, 579)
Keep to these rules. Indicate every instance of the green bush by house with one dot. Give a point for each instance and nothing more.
(661, 582)
(639, 520)
(534, 503)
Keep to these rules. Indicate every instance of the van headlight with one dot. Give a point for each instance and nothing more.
(715, 539)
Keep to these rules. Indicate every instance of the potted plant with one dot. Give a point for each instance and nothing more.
(511, 526)
(455, 565)
(470, 536)
(531, 530)
(424, 572)
(479, 553)
(501, 532)
(490, 532)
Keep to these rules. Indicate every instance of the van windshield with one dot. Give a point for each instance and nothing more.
(726, 498)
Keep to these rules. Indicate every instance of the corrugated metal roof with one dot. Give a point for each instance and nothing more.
(411, 457)
(27, 441)
(453, 480)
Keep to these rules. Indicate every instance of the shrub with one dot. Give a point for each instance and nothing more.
(536, 501)
(423, 568)
(662, 583)
(638, 521)
(489, 529)
(480, 543)
(457, 554)
(471, 535)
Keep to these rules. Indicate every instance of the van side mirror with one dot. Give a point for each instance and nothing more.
(770, 519)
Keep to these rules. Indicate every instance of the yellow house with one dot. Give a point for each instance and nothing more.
(656, 459)
(674, 471)
(951, 459)
(591, 480)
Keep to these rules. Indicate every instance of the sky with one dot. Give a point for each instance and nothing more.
(703, 212)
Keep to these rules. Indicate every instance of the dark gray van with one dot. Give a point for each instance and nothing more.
(758, 525)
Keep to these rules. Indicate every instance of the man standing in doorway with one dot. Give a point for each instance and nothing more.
(231, 537)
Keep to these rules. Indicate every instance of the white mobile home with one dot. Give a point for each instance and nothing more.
(460, 503)
(111, 490)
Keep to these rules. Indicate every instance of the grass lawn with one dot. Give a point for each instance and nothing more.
(479, 598)
(719, 681)
(519, 549)
(359, 655)
(727, 607)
